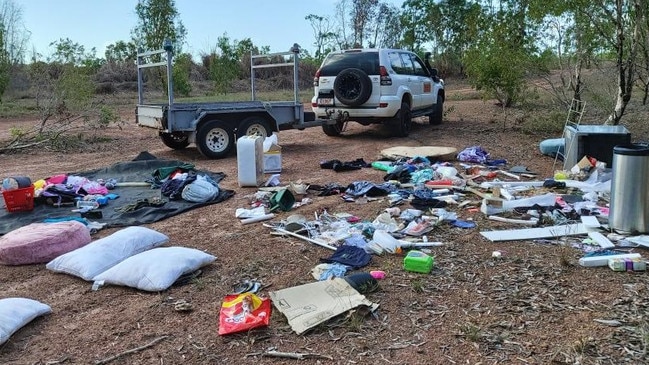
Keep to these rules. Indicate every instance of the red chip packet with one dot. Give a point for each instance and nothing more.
(242, 312)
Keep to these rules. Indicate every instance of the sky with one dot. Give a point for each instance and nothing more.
(97, 23)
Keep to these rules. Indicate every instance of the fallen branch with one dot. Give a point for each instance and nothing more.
(131, 351)
(61, 361)
(290, 355)
(19, 147)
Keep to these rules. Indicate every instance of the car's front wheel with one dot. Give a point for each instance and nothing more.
(435, 118)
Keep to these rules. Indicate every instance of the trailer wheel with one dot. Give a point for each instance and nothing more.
(254, 126)
(214, 139)
(175, 140)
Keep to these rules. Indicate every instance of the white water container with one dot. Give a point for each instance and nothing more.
(250, 160)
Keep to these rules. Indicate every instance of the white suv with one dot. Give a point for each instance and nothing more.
(377, 86)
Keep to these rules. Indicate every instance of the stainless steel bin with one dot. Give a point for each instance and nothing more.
(628, 211)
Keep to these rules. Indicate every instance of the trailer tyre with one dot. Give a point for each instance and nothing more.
(352, 86)
(175, 140)
(254, 126)
(214, 139)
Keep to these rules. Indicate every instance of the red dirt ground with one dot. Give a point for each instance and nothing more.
(535, 305)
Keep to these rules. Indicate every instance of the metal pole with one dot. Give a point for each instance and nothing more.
(296, 87)
(140, 93)
(170, 79)
(252, 76)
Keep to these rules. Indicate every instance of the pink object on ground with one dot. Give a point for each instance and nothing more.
(378, 274)
(41, 242)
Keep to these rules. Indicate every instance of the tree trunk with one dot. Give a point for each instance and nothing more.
(625, 65)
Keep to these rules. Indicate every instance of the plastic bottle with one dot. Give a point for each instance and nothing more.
(89, 204)
(381, 166)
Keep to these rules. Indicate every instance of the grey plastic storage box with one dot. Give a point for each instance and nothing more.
(596, 141)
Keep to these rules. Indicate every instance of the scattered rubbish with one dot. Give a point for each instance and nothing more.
(282, 200)
(521, 170)
(363, 282)
(627, 264)
(317, 242)
(462, 223)
(243, 312)
(308, 305)
(272, 154)
(527, 222)
(593, 261)
(247, 286)
(601, 240)
(352, 256)
(417, 261)
(608, 322)
(339, 166)
(183, 306)
(273, 180)
(533, 233)
(328, 271)
(386, 241)
(256, 219)
(496, 254)
(378, 274)
(433, 152)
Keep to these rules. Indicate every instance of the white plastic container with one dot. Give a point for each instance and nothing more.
(250, 160)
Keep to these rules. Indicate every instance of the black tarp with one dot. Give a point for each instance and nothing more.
(139, 170)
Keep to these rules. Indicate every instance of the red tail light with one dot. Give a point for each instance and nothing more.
(316, 78)
(385, 78)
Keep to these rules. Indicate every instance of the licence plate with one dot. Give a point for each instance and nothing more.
(326, 101)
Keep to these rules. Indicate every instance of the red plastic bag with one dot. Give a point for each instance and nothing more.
(242, 312)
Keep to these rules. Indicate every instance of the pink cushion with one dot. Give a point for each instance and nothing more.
(42, 242)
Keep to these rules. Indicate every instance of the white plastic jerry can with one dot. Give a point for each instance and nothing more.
(250, 160)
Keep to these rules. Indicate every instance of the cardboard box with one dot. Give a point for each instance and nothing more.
(272, 155)
(308, 305)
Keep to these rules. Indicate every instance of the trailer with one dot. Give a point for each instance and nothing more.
(214, 126)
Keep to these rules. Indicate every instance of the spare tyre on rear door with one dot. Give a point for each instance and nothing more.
(352, 87)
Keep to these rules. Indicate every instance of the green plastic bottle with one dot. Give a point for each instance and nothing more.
(383, 166)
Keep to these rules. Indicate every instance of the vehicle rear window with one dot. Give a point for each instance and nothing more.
(336, 62)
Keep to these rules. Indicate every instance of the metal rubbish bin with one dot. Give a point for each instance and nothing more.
(628, 211)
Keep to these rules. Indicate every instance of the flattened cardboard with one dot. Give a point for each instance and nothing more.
(308, 305)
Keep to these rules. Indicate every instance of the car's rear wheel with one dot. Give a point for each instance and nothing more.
(175, 140)
(352, 87)
(214, 139)
(435, 118)
(333, 130)
(402, 123)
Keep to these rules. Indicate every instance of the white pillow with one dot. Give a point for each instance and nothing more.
(17, 312)
(156, 269)
(100, 255)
